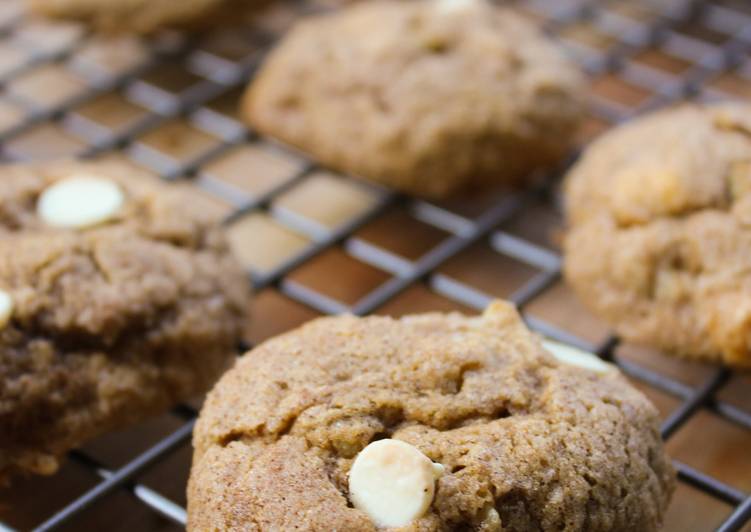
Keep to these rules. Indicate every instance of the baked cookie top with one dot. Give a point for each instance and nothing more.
(428, 96)
(139, 16)
(118, 298)
(659, 240)
(525, 441)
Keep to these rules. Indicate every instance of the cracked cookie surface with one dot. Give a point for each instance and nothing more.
(527, 443)
(659, 231)
(111, 323)
(428, 97)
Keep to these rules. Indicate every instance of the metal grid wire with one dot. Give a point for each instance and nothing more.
(189, 82)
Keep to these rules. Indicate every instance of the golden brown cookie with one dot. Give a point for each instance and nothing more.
(525, 441)
(142, 16)
(117, 300)
(429, 97)
(659, 238)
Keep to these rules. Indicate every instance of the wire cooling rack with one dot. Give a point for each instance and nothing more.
(315, 242)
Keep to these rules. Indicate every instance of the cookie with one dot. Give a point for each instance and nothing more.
(484, 429)
(117, 300)
(141, 16)
(659, 236)
(428, 97)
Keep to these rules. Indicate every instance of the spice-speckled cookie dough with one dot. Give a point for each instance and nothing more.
(142, 16)
(117, 300)
(429, 97)
(659, 239)
(509, 436)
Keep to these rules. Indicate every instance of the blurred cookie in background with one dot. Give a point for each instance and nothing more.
(428, 97)
(146, 16)
(659, 230)
(118, 299)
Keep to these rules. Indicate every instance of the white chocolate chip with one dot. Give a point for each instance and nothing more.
(490, 520)
(455, 6)
(6, 308)
(576, 357)
(80, 201)
(393, 482)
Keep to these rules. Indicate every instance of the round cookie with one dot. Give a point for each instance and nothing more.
(141, 16)
(524, 441)
(659, 236)
(429, 97)
(110, 311)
